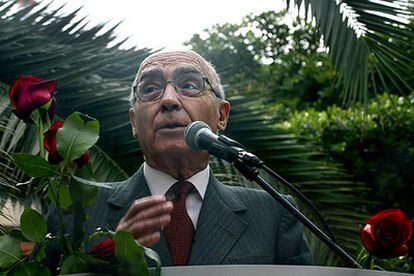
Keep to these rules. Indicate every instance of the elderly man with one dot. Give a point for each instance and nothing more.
(173, 203)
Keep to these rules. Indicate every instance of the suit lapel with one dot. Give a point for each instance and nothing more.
(122, 197)
(219, 227)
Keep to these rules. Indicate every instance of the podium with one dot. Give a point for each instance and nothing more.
(273, 270)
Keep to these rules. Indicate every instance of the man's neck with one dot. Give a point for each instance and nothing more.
(180, 167)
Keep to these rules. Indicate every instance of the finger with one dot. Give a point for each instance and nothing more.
(154, 211)
(147, 226)
(149, 239)
(143, 203)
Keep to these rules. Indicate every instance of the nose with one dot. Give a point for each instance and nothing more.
(169, 100)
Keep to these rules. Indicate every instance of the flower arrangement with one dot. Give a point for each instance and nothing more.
(63, 158)
(385, 239)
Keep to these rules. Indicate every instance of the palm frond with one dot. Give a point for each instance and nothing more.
(365, 38)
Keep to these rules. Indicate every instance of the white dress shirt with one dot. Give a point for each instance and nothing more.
(159, 183)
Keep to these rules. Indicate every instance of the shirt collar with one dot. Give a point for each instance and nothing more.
(160, 182)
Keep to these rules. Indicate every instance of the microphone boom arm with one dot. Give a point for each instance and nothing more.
(251, 173)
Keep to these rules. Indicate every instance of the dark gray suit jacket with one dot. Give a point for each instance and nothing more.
(236, 225)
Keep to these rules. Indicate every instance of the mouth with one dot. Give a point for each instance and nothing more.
(172, 126)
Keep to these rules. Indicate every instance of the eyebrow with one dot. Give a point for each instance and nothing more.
(155, 72)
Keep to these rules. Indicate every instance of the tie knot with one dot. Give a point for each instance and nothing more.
(182, 187)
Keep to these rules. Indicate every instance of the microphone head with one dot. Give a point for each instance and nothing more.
(192, 132)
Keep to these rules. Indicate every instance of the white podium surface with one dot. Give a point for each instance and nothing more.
(274, 270)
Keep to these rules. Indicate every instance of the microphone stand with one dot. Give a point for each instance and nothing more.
(251, 173)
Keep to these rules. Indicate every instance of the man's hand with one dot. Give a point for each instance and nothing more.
(145, 218)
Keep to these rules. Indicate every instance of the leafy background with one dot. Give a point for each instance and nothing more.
(327, 104)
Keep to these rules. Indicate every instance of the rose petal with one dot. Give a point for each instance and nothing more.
(103, 249)
(368, 239)
(28, 93)
(387, 233)
(50, 143)
(83, 160)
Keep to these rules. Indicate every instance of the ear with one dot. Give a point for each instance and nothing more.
(224, 112)
(133, 123)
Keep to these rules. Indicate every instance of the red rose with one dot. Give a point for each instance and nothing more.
(83, 160)
(104, 249)
(387, 234)
(50, 145)
(28, 93)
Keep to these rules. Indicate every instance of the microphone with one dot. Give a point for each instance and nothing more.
(199, 136)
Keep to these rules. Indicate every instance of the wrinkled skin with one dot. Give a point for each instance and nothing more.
(159, 126)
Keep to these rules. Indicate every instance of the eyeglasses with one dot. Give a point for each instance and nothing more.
(187, 84)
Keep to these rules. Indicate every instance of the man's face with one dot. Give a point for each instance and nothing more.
(159, 125)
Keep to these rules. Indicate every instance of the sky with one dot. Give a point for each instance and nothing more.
(162, 23)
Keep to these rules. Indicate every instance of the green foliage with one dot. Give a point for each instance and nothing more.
(30, 269)
(35, 166)
(302, 164)
(9, 251)
(265, 56)
(33, 225)
(95, 79)
(73, 264)
(60, 194)
(130, 255)
(78, 134)
(374, 143)
(364, 40)
(92, 77)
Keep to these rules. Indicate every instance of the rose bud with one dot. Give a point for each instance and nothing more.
(27, 248)
(50, 145)
(83, 160)
(386, 234)
(104, 249)
(28, 93)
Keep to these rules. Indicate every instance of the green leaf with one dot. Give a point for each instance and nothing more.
(32, 269)
(91, 183)
(73, 264)
(130, 255)
(9, 251)
(64, 196)
(33, 225)
(78, 134)
(84, 194)
(41, 254)
(91, 260)
(35, 166)
(17, 234)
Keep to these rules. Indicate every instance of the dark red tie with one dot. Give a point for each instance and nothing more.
(179, 233)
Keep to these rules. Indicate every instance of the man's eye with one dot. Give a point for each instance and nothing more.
(189, 86)
(148, 89)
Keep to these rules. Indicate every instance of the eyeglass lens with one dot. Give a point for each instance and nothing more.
(187, 84)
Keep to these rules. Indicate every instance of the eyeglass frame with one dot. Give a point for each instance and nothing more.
(177, 90)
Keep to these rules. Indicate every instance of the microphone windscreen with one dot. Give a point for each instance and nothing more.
(191, 134)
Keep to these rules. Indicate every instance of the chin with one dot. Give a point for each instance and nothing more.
(174, 147)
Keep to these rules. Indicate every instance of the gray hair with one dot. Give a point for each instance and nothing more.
(207, 68)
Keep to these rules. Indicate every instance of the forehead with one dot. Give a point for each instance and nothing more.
(169, 63)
